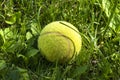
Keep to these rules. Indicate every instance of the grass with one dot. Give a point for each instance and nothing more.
(22, 21)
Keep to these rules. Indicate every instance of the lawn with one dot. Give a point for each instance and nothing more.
(21, 22)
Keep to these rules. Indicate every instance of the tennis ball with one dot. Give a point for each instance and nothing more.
(59, 41)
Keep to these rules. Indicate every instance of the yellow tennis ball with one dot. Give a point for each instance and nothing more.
(59, 41)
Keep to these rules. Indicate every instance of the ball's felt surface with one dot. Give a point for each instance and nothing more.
(59, 41)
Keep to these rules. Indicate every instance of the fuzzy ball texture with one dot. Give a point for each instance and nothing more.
(59, 41)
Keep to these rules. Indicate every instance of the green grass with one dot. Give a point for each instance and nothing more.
(21, 22)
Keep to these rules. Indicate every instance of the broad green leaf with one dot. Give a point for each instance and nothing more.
(17, 73)
(34, 28)
(32, 52)
(2, 65)
(11, 19)
(23, 73)
(28, 35)
(8, 33)
(79, 70)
